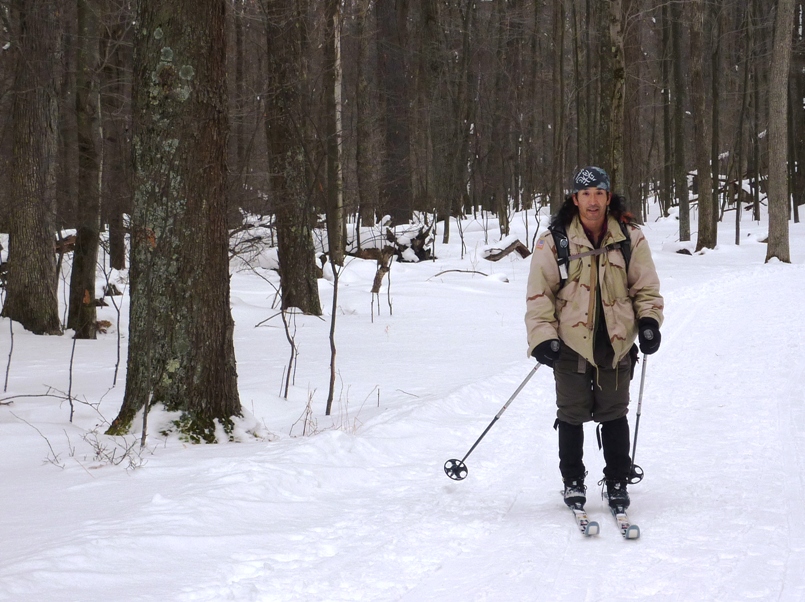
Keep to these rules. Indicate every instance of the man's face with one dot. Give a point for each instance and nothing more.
(592, 204)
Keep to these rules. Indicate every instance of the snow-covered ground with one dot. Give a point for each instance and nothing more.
(359, 507)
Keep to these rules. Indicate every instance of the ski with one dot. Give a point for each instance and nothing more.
(586, 526)
(628, 530)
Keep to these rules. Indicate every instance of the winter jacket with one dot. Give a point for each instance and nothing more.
(569, 313)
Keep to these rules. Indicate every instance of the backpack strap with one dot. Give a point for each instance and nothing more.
(563, 256)
(562, 244)
(626, 245)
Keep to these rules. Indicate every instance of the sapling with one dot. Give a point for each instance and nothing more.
(336, 272)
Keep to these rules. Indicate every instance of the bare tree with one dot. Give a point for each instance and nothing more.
(558, 176)
(396, 195)
(336, 235)
(82, 315)
(779, 198)
(701, 121)
(287, 40)
(31, 289)
(679, 95)
(667, 178)
(618, 61)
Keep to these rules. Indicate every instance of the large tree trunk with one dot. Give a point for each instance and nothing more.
(286, 36)
(701, 125)
(82, 315)
(32, 284)
(181, 351)
(779, 198)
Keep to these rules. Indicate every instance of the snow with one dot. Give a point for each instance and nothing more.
(359, 507)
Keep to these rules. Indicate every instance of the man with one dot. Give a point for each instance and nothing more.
(584, 324)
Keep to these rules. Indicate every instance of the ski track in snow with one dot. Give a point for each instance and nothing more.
(370, 514)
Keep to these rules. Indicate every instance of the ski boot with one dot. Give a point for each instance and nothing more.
(616, 494)
(575, 493)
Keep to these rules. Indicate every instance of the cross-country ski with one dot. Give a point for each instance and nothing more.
(586, 526)
(627, 529)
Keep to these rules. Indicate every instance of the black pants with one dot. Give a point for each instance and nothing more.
(614, 441)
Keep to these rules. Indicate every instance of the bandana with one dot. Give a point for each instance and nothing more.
(591, 177)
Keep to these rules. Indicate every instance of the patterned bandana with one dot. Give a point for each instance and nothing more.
(591, 177)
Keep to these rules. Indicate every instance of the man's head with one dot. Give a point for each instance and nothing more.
(592, 197)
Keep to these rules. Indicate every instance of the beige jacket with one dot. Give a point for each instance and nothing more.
(569, 314)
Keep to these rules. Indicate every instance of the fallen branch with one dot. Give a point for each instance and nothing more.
(462, 271)
(496, 254)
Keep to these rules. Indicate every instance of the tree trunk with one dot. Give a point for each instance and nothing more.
(636, 159)
(396, 195)
(797, 90)
(336, 235)
(286, 36)
(778, 134)
(364, 119)
(701, 125)
(795, 144)
(181, 351)
(716, 82)
(680, 166)
(32, 283)
(740, 152)
(115, 94)
(667, 183)
(239, 99)
(618, 62)
(559, 175)
(500, 167)
(82, 314)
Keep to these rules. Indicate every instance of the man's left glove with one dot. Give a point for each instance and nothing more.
(547, 352)
(648, 333)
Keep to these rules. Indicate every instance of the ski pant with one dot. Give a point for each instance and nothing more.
(584, 393)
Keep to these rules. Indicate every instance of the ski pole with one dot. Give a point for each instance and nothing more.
(636, 473)
(456, 469)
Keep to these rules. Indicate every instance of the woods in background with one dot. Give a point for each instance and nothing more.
(140, 120)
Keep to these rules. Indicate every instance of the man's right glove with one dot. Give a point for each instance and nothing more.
(648, 332)
(547, 352)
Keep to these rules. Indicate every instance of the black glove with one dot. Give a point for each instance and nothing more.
(648, 332)
(547, 352)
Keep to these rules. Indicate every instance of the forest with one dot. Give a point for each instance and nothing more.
(164, 138)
